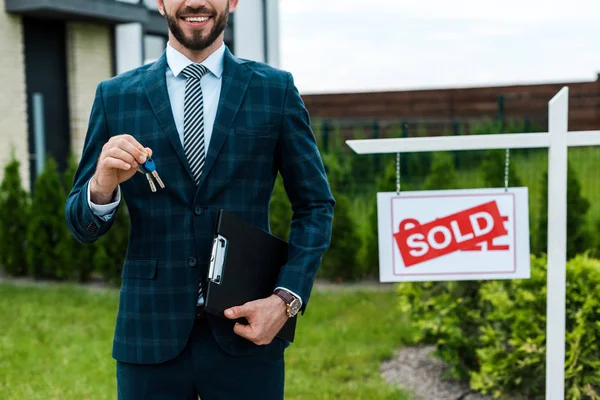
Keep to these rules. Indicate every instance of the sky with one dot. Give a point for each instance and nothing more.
(334, 46)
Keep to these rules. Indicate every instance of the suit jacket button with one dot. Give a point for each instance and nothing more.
(192, 262)
(198, 210)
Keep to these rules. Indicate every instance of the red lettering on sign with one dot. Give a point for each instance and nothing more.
(462, 230)
(489, 245)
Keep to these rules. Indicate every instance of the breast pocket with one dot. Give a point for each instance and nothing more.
(255, 131)
(249, 153)
(257, 142)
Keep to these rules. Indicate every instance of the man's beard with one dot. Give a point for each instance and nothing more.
(197, 42)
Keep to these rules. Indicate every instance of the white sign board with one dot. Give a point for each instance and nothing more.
(473, 234)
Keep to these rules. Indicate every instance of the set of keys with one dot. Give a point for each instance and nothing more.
(149, 169)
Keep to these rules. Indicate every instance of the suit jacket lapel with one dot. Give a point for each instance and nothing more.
(155, 84)
(236, 78)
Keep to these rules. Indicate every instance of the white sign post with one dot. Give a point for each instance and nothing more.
(557, 140)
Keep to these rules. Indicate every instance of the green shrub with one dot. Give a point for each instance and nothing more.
(493, 169)
(14, 210)
(339, 172)
(448, 315)
(82, 255)
(47, 256)
(280, 211)
(596, 239)
(497, 337)
(578, 236)
(442, 174)
(340, 262)
(418, 165)
(368, 255)
(513, 352)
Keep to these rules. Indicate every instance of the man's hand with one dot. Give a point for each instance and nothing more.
(265, 318)
(118, 162)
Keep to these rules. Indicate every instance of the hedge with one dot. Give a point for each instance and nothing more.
(48, 254)
(494, 335)
(14, 216)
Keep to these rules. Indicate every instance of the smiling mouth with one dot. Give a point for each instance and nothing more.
(196, 19)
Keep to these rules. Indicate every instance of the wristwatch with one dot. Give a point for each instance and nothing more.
(292, 303)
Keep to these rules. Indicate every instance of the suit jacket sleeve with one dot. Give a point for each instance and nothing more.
(305, 181)
(83, 223)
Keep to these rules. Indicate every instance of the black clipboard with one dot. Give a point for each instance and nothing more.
(244, 266)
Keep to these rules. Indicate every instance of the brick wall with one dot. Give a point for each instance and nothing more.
(89, 61)
(472, 103)
(13, 106)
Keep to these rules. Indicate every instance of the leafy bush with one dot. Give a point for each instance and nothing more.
(443, 174)
(578, 236)
(82, 255)
(14, 209)
(596, 235)
(417, 164)
(340, 261)
(368, 254)
(47, 256)
(497, 337)
(448, 315)
(493, 169)
(280, 211)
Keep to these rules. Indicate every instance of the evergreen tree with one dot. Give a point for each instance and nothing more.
(596, 236)
(417, 164)
(339, 171)
(443, 174)
(280, 211)
(14, 209)
(493, 168)
(340, 261)
(81, 254)
(47, 258)
(577, 207)
(369, 253)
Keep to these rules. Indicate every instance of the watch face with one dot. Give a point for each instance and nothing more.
(294, 308)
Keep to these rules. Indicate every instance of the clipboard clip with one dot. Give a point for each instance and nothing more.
(217, 259)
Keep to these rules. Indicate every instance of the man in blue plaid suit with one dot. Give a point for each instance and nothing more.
(219, 130)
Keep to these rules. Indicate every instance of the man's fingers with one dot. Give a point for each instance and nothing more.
(238, 312)
(244, 331)
(234, 312)
(120, 154)
(115, 163)
(128, 144)
(134, 142)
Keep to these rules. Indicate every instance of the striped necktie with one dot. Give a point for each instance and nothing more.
(193, 119)
(193, 128)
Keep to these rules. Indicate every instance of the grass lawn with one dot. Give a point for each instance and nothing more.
(55, 343)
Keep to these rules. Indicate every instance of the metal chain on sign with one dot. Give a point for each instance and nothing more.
(506, 168)
(397, 173)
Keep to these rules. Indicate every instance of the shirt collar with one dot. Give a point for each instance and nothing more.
(214, 63)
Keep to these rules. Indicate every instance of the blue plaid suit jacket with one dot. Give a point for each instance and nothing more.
(261, 128)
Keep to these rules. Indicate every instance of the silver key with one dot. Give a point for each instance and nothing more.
(151, 182)
(158, 180)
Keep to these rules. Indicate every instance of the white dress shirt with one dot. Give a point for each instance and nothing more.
(211, 92)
